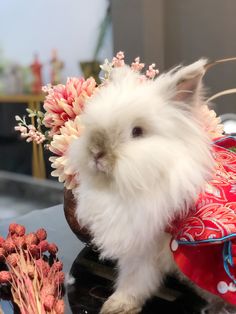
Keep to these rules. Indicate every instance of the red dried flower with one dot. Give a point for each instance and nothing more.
(43, 246)
(31, 238)
(60, 307)
(5, 276)
(20, 230)
(52, 248)
(57, 265)
(49, 302)
(2, 254)
(9, 245)
(41, 234)
(12, 259)
(12, 227)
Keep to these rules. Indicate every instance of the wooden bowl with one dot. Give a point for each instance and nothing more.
(69, 210)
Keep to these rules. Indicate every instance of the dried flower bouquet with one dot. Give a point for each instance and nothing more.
(32, 271)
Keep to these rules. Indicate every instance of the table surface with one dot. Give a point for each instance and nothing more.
(89, 291)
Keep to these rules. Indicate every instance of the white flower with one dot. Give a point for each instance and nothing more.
(59, 146)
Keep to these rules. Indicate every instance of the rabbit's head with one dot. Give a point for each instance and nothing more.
(144, 136)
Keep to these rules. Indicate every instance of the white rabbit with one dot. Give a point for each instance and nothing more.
(142, 158)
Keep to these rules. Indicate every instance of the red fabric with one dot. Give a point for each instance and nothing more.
(211, 222)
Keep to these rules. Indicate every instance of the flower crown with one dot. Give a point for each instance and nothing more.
(60, 124)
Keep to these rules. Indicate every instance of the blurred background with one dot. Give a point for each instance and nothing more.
(54, 39)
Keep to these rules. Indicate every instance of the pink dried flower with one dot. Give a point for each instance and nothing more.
(21, 128)
(120, 55)
(151, 72)
(118, 60)
(65, 102)
(43, 246)
(49, 302)
(41, 234)
(9, 245)
(136, 65)
(60, 307)
(12, 259)
(20, 230)
(31, 238)
(52, 248)
(5, 276)
(31, 134)
(35, 136)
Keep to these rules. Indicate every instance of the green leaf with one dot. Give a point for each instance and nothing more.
(40, 114)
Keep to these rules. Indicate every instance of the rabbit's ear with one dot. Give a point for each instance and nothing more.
(188, 82)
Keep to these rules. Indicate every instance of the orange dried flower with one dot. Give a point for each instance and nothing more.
(20, 230)
(43, 246)
(31, 238)
(52, 248)
(2, 254)
(34, 250)
(48, 289)
(12, 259)
(41, 234)
(43, 267)
(57, 265)
(31, 277)
(5, 276)
(59, 277)
(31, 271)
(19, 241)
(9, 245)
(60, 307)
(2, 240)
(49, 302)
(12, 227)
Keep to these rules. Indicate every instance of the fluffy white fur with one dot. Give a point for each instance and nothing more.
(130, 188)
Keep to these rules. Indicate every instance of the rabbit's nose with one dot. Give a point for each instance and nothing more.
(99, 155)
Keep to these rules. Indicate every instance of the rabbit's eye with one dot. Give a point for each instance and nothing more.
(137, 131)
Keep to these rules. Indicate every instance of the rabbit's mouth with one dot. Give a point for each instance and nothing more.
(101, 165)
(101, 161)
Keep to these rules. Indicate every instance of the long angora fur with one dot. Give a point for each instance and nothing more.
(142, 159)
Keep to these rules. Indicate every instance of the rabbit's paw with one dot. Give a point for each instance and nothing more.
(120, 305)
